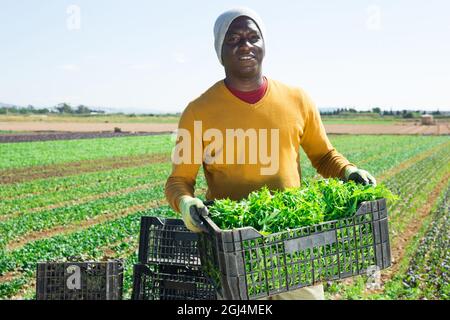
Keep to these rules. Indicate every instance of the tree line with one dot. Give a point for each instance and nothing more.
(400, 113)
(62, 108)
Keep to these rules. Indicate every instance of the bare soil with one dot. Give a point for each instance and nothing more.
(86, 127)
(77, 127)
(50, 136)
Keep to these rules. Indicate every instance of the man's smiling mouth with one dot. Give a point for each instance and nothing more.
(247, 58)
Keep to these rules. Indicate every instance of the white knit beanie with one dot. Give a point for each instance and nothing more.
(224, 21)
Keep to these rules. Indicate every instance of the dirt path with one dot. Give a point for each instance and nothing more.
(87, 127)
(439, 129)
(52, 136)
(75, 168)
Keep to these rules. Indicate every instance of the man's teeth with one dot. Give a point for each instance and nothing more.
(246, 58)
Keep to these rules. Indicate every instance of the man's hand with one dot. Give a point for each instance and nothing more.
(190, 216)
(359, 176)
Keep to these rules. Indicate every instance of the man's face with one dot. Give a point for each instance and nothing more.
(243, 48)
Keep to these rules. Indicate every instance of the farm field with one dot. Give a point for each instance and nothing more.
(83, 199)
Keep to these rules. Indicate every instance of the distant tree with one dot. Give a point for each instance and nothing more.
(82, 110)
(408, 115)
(436, 113)
(352, 110)
(376, 110)
(42, 111)
(64, 108)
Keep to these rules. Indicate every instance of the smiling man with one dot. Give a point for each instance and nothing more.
(247, 123)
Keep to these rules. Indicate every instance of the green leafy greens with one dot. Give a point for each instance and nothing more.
(316, 202)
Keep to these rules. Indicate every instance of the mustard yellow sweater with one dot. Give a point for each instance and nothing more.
(285, 118)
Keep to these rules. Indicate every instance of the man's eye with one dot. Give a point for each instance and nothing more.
(233, 39)
(254, 38)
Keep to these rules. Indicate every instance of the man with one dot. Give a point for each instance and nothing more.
(275, 119)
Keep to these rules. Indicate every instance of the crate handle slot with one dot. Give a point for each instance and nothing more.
(185, 236)
(310, 242)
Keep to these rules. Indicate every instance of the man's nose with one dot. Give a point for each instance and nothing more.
(245, 45)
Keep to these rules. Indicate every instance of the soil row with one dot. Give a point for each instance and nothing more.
(50, 136)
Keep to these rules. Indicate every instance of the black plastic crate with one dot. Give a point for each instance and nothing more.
(169, 263)
(167, 241)
(170, 282)
(243, 264)
(79, 280)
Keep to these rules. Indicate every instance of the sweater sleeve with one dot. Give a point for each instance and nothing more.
(323, 156)
(185, 161)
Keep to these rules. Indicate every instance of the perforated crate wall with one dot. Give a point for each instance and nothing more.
(79, 280)
(169, 263)
(167, 241)
(170, 282)
(243, 264)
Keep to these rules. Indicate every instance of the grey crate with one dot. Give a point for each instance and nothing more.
(169, 263)
(79, 280)
(170, 282)
(167, 241)
(243, 264)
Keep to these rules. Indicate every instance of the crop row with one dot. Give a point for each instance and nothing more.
(20, 155)
(383, 154)
(63, 184)
(150, 174)
(429, 270)
(20, 226)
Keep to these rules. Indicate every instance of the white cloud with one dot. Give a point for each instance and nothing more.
(69, 67)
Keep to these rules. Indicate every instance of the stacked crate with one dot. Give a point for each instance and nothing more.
(169, 264)
(79, 280)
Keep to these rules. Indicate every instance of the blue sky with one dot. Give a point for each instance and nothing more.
(144, 55)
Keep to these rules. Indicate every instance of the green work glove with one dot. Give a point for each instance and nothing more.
(359, 176)
(188, 207)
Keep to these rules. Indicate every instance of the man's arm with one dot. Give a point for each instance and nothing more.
(324, 157)
(181, 181)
